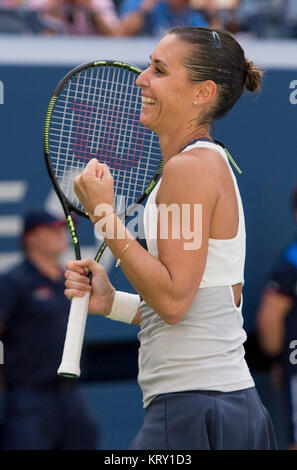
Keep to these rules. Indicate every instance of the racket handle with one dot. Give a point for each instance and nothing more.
(70, 365)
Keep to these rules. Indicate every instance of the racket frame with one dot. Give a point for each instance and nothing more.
(67, 206)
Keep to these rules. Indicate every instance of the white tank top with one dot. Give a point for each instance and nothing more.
(204, 351)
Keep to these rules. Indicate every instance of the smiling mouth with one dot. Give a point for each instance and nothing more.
(148, 101)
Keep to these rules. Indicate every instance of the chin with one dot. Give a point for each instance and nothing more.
(145, 121)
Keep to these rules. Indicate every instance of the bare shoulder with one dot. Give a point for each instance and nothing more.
(201, 164)
(196, 161)
(196, 172)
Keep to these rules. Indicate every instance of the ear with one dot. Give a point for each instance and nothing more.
(206, 91)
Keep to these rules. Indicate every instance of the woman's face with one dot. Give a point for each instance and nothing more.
(167, 93)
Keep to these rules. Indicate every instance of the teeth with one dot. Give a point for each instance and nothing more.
(146, 100)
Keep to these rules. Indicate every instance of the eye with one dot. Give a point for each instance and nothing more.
(158, 71)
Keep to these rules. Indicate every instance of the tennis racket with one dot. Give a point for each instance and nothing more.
(94, 113)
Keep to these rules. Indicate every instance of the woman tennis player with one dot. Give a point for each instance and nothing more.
(197, 389)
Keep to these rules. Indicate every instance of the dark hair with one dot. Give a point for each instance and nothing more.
(217, 56)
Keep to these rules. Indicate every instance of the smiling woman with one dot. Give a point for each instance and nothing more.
(166, 82)
(197, 389)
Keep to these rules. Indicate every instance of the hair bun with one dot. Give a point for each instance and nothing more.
(253, 76)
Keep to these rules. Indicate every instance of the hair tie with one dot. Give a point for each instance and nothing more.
(248, 65)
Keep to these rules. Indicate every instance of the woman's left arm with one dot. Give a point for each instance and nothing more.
(186, 200)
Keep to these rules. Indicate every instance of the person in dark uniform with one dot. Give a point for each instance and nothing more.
(277, 323)
(41, 411)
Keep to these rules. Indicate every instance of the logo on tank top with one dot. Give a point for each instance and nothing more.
(43, 293)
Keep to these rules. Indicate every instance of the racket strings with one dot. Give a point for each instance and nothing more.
(97, 116)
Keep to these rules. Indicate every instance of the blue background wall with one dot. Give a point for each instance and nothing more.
(260, 134)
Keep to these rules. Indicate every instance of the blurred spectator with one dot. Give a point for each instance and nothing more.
(263, 18)
(219, 13)
(17, 17)
(80, 17)
(42, 411)
(259, 18)
(291, 18)
(277, 325)
(154, 17)
(11, 3)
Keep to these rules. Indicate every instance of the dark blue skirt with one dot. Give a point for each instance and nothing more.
(202, 420)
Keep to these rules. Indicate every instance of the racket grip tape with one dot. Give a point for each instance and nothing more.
(70, 365)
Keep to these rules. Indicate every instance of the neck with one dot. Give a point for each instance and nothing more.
(47, 265)
(171, 145)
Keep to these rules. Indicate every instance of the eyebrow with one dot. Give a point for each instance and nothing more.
(158, 61)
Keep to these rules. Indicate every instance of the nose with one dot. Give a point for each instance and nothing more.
(143, 78)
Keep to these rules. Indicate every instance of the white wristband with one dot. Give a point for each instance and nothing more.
(124, 307)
